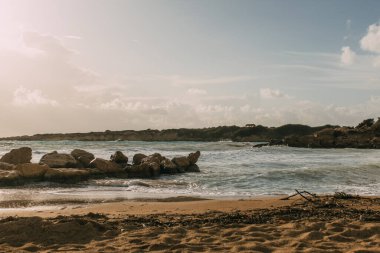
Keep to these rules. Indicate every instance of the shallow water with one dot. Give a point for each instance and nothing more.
(228, 169)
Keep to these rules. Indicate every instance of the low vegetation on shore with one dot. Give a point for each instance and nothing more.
(364, 135)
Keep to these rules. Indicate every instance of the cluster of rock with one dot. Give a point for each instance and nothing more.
(365, 135)
(16, 167)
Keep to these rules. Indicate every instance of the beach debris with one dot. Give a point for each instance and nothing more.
(18, 156)
(301, 193)
(343, 195)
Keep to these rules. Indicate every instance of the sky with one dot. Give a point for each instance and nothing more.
(96, 65)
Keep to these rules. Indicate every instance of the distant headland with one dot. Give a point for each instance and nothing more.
(364, 135)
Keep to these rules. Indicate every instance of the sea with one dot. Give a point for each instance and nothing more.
(228, 170)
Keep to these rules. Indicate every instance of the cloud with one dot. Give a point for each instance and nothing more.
(371, 41)
(348, 56)
(184, 81)
(194, 91)
(26, 97)
(46, 43)
(267, 93)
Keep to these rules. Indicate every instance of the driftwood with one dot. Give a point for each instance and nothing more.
(303, 196)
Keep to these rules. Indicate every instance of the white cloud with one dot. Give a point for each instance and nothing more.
(348, 56)
(46, 43)
(267, 93)
(26, 97)
(371, 41)
(194, 91)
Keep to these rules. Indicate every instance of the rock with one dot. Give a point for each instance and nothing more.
(105, 166)
(144, 170)
(168, 167)
(66, 175)
(151, 159)
(182, 163)
(7, 166)
(32, 170)
(193, 168)
(119, 158)
(260, 145)
(193, 157)
(57, 160)
(276, 142)
(10, 177)
(18, 156)
(158, 156)
(83, 157)
(137, 158)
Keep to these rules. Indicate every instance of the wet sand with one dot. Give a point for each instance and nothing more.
(326, 224)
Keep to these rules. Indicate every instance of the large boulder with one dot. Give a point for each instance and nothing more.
(168, 167)
(151, 159)
(66, 175)
(32, 170)
(18, 156)
(83, 157)
(119, 158)
(193, 157)
(10, 177)
(58, 160)
(105, 166)
(137, 158)
(144, 170)
(182, 163)
(7, 166)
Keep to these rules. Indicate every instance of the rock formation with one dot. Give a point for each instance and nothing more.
(18, 156)
(81, 165)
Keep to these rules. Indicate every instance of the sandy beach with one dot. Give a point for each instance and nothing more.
(270, 224)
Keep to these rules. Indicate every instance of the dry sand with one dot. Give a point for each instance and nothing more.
(179, 225)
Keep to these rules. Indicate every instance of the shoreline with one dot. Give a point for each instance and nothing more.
(328, 224)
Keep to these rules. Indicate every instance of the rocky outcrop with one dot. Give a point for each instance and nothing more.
(67, 175)
(193, 168)
(58, 160)
(143, 170)
(119, 158)
(193, 157)
(70, 168)
(364, 135)
(83, 157)
(7, 166)
(32, 170)
(168, 167)
(18, 156)
(106, 166)
(10, 177)
(182, 163)
(137, 158)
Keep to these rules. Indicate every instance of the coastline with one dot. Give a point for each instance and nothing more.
(264, 224)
